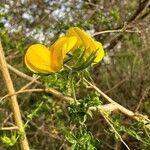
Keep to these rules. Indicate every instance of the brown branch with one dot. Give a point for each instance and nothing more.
(13, 99)
(9, 128)
(117, 31)
(21, 91)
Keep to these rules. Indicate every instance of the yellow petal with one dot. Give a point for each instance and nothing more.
(59, 49)
(99, 52)
(69, 44)
(38, 59)
(72, 32)
(84, 39)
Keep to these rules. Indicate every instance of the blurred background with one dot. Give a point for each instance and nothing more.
(123, 74)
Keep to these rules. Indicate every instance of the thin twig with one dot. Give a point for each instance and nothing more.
(116, 85)
(13, 99)
(30, 83)
(116, 31)
(119, 136)
(9, 128)
(146, 92)
(21, 91)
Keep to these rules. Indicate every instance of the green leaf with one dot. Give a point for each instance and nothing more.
(74, 146)
(90, 147)
(84, 139)
(70, 138)
(9, 141)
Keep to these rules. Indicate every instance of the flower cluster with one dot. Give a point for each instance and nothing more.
(41, 59)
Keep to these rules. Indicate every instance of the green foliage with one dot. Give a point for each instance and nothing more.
(81, 140)
(34, 113)
(79, 113)
(135, 129)
(9, 141)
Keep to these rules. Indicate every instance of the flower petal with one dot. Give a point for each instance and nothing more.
(59, 50)
(99, 53)
(38, 59)
(83, 38)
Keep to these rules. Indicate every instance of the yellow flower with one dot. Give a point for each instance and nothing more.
(40, 59)
(87, 42)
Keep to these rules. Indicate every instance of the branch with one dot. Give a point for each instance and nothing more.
(117, 31)
(13, 99)
(9, 128)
